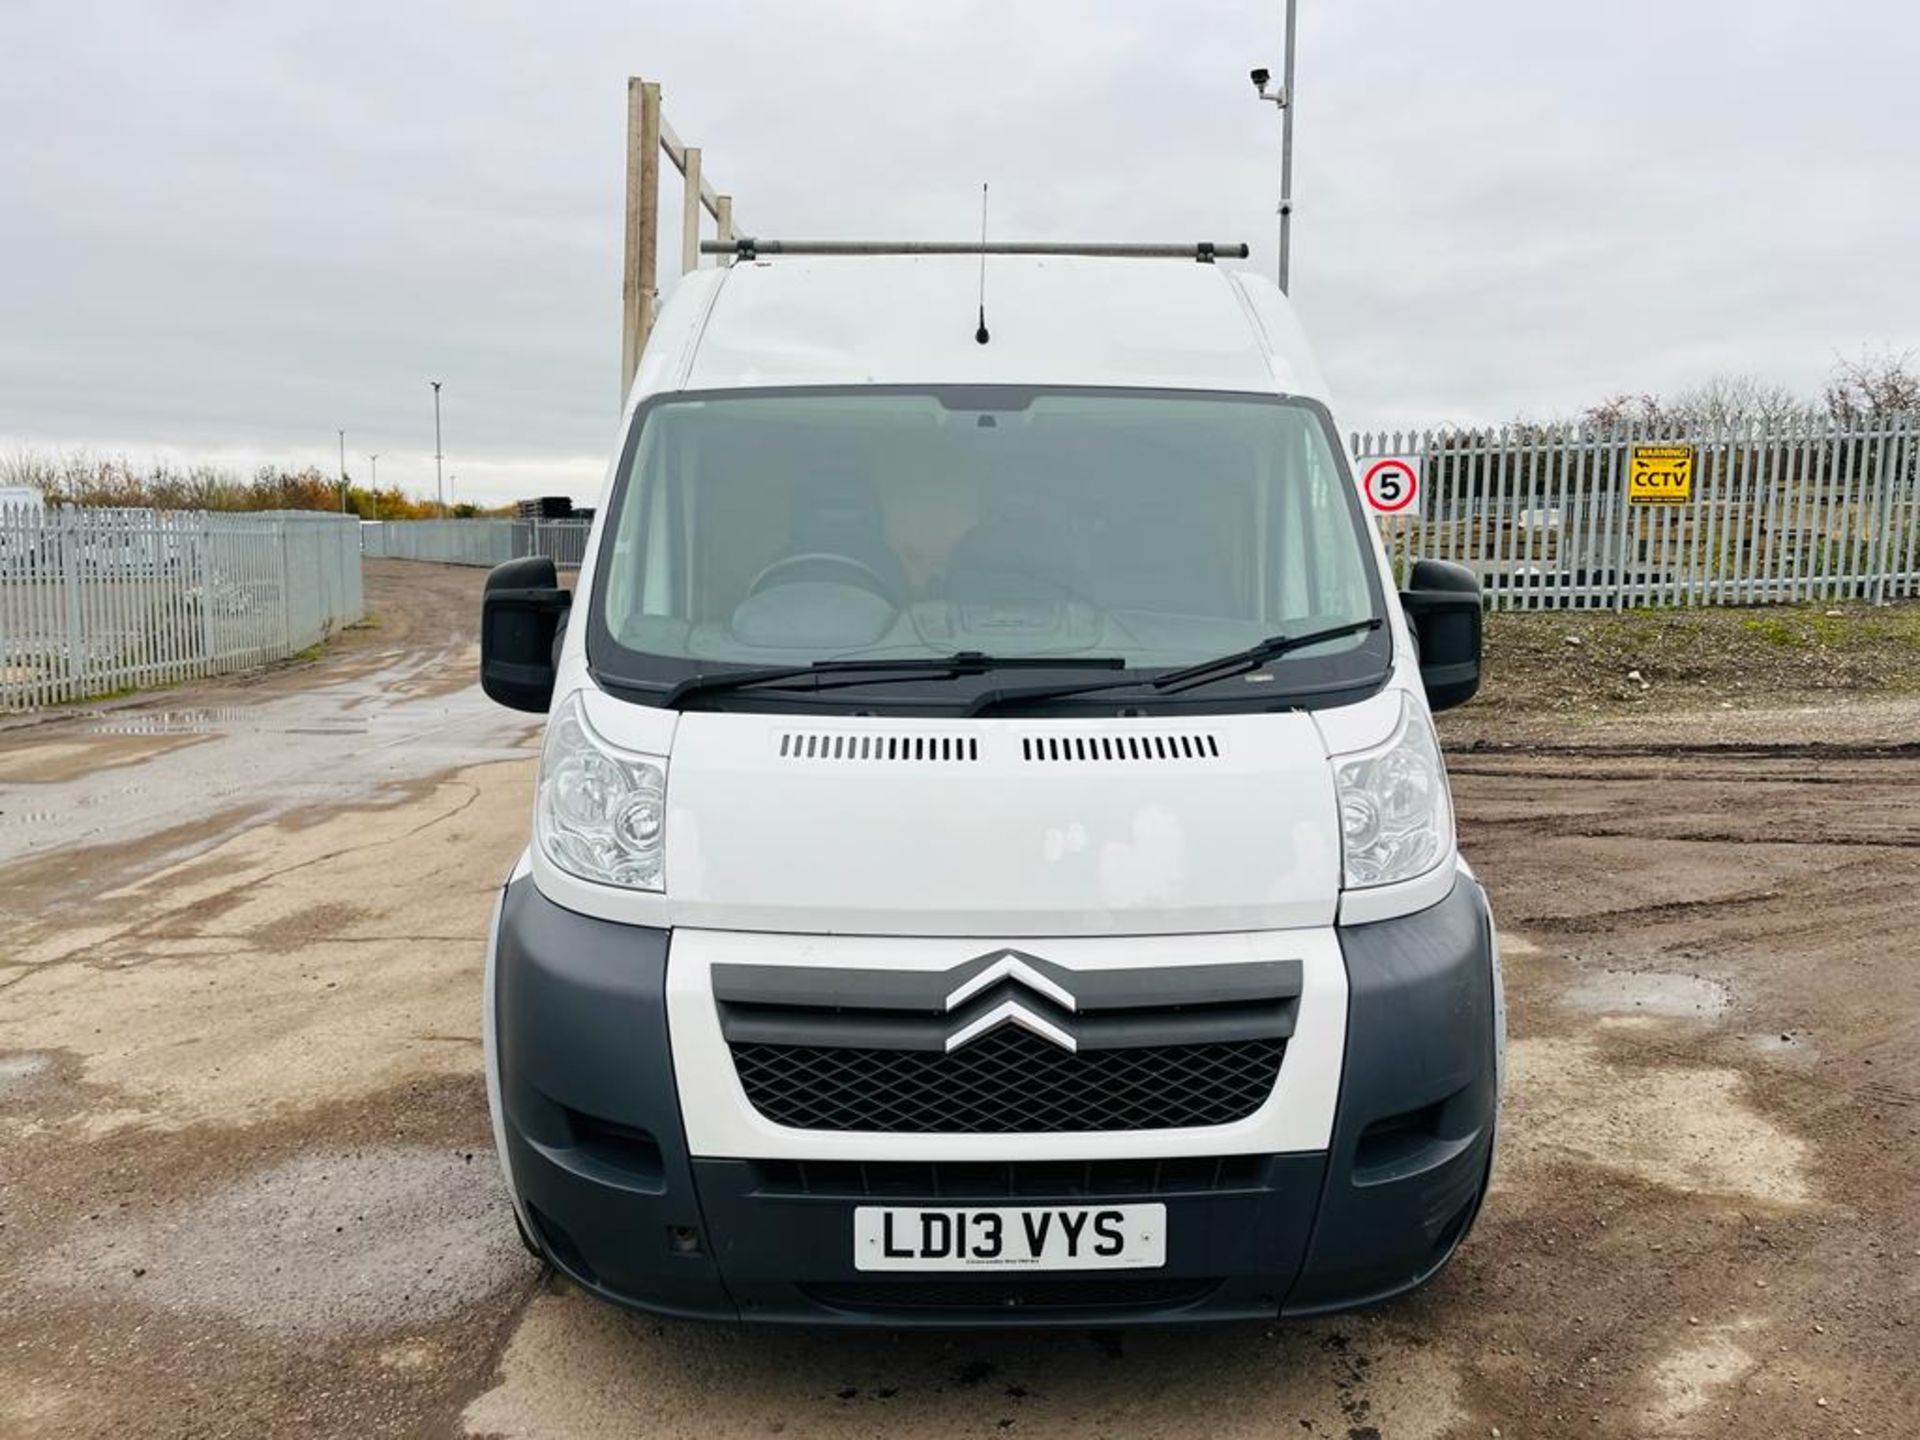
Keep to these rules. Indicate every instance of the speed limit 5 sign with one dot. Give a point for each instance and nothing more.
(1391, 484)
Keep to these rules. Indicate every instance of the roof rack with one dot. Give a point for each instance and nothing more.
(748, 248)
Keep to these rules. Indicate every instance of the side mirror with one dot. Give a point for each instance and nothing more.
(520, 614)
(1442, 602)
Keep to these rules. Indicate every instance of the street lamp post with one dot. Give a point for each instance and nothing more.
(439, 486)
(373, 483)
(1283, 98)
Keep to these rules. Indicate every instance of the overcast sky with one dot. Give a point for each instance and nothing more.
(228, 229)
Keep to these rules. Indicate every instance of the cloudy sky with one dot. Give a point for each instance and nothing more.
(227, 229)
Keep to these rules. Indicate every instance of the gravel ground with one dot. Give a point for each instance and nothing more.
(246, 1186)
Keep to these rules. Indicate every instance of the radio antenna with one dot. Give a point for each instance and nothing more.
(981, 336)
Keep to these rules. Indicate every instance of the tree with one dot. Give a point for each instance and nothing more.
(1731, 400)
(1873, 387)
(1870, 388)
(81, 478)
(1722, 402)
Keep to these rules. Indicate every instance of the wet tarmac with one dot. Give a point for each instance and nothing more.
(283, 750)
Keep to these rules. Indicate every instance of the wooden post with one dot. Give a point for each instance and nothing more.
(643, 215)
(630, 259)
(690, 213)
(724, 219)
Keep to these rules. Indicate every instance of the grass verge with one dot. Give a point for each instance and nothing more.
(1577, 663)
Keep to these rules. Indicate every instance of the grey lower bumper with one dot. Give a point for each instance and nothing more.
(591, 1129)
(1413, 1137)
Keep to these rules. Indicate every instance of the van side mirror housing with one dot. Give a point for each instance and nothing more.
(520, 614)
(1442, 602)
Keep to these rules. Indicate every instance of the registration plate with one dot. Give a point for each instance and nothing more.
(1028, 1237)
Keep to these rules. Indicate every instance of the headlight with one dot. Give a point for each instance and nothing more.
(1396, 820)
(600, 813)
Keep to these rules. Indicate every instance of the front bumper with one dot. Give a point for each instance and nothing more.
(588, 1118)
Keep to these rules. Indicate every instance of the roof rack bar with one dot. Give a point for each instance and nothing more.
(748, 248)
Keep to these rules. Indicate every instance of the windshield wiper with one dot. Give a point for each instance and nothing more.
(874, 672)
(1221, 667)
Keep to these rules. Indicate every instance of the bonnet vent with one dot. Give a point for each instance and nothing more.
(1102, 748)
(926, 749)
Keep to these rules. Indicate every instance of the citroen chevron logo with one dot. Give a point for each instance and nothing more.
(1011, 967)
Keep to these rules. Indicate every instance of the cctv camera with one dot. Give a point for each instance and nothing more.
(1260, 78)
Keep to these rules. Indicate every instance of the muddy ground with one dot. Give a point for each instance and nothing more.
(246, 1184)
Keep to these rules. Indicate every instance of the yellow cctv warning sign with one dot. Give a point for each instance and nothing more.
(1660, 475)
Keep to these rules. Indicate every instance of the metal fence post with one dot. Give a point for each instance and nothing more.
(1883, 506)
(1619, 447)
(286, 591)
(1903, 470)
(76, 628)
(202, 570)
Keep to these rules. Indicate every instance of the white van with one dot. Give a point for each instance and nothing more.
(992, 862)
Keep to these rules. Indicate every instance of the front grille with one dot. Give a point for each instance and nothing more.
(1014, 1294)
(993, 1180)
(1009, 1081)
(1007, 1042)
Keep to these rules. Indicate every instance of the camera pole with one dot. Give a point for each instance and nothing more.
(439, 489)
(1286, 156)
(1282, 96)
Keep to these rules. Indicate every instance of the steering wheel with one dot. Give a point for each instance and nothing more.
(861, 573)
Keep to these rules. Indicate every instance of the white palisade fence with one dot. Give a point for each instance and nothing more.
(93, 601)
(476, 542)
(1782, 512)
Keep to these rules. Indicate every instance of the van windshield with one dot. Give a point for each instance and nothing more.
(1155, 528)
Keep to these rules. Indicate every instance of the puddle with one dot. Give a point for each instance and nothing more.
(115, 796)
(1649, 992)
(225, 720)
(204, 721)
(323, 1244)
(329, 744)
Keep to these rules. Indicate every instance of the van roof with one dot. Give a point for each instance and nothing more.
(910, 319)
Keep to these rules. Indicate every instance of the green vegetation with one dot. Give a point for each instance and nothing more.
(1599, 662)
